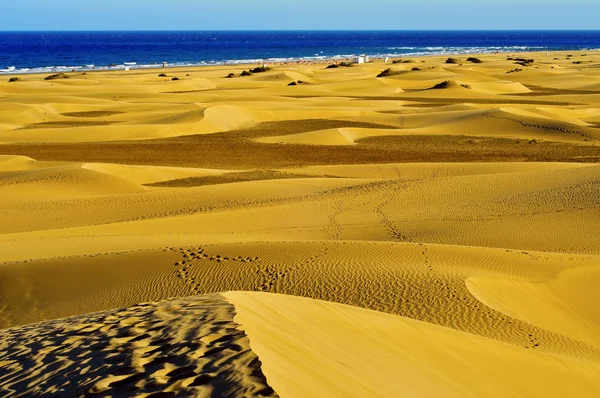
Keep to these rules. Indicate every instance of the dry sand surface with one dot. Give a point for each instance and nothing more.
(347, 236)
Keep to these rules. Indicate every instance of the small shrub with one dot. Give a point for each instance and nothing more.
(577, 62)
(474, 60)
(246, 73)
(56, 76)
(452, 60)
(510, 59)
(449, 83)
(415, 68)
(385, 73)
(515, 70)
(175, 78)
(162, 75)
(260, 69)
(345, 64)
(526, 60)
(584, 55)
(570, 55)
(444, 84)
(229, 76)
(293, 84)
(14, 79)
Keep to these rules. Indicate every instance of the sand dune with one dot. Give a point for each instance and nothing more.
(188, 347)
(374, 354)
(148, 174)
(211, 345)
(399, 239)
(421, 281)
(552, 305)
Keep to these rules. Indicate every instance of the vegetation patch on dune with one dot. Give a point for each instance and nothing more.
(295, 83)
(450, 84)
(260, 69)
(56, 76)
(524, 61)
(386, 72)
(344, 64)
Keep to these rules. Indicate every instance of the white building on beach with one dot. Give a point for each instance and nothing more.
(361, 59)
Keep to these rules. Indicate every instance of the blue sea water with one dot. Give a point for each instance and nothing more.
(57, 51)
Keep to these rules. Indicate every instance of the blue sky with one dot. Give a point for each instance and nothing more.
(297, 14)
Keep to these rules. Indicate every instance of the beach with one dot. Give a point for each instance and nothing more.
(425, 226)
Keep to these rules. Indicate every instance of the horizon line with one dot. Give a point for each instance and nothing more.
(301, 30)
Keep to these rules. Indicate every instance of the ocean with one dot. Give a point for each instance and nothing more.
(31, 52)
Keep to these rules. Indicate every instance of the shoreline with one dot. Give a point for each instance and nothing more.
(269, 61)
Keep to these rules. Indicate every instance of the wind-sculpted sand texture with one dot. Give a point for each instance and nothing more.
(187, 348)
(419, 281)
(435, 231)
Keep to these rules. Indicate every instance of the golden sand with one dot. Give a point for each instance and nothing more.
(374, 236)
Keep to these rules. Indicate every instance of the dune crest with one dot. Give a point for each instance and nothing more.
(189, 347)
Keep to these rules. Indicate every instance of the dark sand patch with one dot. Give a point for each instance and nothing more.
(92, 113)
(65, 124)
(256, 175)
(451, 101)
(542, 91)
(233, 150)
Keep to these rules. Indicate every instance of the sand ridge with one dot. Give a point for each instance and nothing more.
(420, 359)
(189, 347)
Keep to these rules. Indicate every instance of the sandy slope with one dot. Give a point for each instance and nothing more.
(303, 342)
(459, 223)
(534, 207)
(211, 345)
